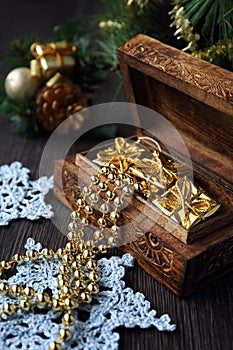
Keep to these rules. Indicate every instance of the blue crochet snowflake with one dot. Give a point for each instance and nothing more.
(116, 305)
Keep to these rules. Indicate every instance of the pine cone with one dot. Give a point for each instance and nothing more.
(56, 103)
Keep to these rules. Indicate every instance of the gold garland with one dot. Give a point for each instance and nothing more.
(77, 281)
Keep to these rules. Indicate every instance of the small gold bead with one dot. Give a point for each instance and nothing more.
(68, 319)
(93, 288)
(54, 345)
(115, 230)
(110, 195)
(102, 248)
(123, 176)
(94, 179)
(105, 169)
(61, 277)
(98, 235)
(94, 198)
(103, 208)
(4, 287)
(138, 187)
(71, 303)
(118, 202)
(112, 241)
(103, 186)
(24, 305)
(90, 243)
(16, 290)
(79, 258)
(78, 274)
(71, 246)
(93, 276)
(147, 193)
(88, 253)
(91, 264)
(88, 210)
(128, 191)
(75, 265)
(47, 253)
(62, 283)
(86, 190)
(114, 216)
(72, 235)
(18, 258)
(65, 334)
(84, 221)
(74, 215)
(80, 284)
(67, 259)
(112, 177)
(9, 309)
(85, 298)
(29, 292)
(5, 265)
(63, 269)
(102, 222)
(80, 203)
(65, 290)
(59, 252)
(81, 247)
(33, 255)
(72, 226)
(56, 305)
(119, 183)
(42, 300)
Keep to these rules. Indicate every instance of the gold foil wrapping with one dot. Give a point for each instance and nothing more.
(175, 195)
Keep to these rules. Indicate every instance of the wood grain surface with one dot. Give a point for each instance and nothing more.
(204, 321)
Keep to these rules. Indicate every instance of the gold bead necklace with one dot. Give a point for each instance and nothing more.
(77, 281)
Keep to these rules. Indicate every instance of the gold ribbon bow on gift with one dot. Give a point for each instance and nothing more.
(52, 57)
(186, 203)
(156, 177)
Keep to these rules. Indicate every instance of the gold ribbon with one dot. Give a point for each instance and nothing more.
(58, 49)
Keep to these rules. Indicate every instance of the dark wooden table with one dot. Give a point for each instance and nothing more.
(204, 321)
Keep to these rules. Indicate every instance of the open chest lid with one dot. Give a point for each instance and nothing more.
(194, 95)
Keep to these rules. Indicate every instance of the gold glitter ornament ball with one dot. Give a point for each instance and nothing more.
(19, 84)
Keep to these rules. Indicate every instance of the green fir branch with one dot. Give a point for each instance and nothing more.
(213, 19)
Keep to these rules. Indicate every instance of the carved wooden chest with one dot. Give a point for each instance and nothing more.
(196, 97)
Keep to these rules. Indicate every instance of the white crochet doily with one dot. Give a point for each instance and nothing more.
(20, 197)
(115, 305)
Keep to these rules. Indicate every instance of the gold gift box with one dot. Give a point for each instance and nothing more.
(186, 204)
(52, 57)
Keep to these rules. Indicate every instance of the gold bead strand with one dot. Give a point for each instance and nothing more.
(111, 178)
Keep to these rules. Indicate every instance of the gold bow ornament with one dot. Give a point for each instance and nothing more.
(51, 58)
(186, 203)
(157, 177)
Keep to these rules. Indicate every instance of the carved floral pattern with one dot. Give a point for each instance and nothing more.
(152, 249)
(177, 64)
